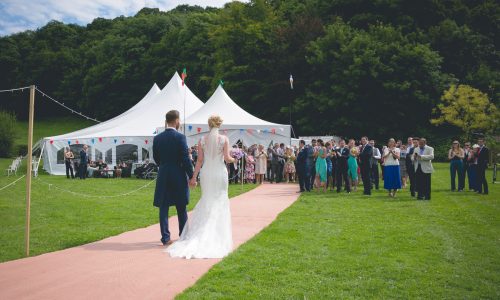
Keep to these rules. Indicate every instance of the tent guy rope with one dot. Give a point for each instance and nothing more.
(50, 185)
(12, 183)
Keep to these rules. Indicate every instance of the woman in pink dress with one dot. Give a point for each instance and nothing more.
(250, 168)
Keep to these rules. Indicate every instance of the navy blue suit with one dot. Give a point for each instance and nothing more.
(365, 158)
(303, 169)
(83, 164)
(170, 152)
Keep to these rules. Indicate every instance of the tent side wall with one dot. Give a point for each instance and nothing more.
(99, 148)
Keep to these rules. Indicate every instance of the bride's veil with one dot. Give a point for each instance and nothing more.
(212, 152)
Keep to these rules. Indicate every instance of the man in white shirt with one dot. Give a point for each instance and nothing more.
(422, 158)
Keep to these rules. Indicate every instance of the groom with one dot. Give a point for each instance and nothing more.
(170, 152)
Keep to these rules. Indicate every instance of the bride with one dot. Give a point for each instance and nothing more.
(209, 234)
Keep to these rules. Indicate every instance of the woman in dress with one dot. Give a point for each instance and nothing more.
(321, 167)
(260, 164)
(402, 165)
(352, 164)
(208, 234)
(456, 156)
(249, 167)
(289, 164)
(392, 175)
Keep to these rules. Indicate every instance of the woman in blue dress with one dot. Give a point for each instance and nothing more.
(392, 174)
(321, 166)
(352, 164)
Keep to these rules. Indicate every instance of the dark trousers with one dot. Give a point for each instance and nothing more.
(472, 176)
(181, 215)
(304, 182)
(375, 175)
(423, 184)
(69, 169)
(312, 175)
(482, 184)
(343, 177)
(366, 177)
(413, 181)
(83, 171)
(456, 167)
(466, 175)
(281, 168)
(233, 174)
(275, 169)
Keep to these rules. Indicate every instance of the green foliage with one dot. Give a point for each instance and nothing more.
(7, 133)
(393, 59)
(468, 109)
(331, 246)
(375, 76)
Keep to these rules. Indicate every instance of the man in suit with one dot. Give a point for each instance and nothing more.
(276, 163)
(170, 152)
(84, 160)
(365, 157)
(342, 154)
(410, 169)
(422, 158)
(301, 166)
(482, 164)
(374, 164)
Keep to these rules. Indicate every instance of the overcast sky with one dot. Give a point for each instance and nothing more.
(20, 15)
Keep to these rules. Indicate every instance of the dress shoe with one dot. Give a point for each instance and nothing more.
(167, 243)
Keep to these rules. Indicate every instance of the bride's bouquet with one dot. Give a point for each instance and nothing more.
(237, 154)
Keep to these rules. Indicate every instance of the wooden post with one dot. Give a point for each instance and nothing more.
(28, 168)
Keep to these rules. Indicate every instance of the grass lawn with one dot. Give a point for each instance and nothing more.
(350, 246)
(60, 220)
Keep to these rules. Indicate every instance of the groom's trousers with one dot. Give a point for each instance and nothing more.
(181, 215)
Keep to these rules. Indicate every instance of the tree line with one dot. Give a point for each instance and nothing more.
(360, 66)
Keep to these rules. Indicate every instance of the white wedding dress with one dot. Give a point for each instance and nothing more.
(208, 233)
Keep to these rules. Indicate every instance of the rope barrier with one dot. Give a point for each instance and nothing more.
(12, 183)
(94, 196)
(66, 107)
(16, 89)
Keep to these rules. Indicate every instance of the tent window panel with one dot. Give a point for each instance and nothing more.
(98, 155)
(109, 156)
(126, 153)
(145, 154)
(76, 148)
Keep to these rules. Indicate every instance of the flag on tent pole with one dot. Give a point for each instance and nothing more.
(291, 82)
(184, 75)
(221, 82)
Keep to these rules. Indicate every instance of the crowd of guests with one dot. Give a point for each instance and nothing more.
(84, 167)
(320, 165)
(341, 166)
(471, 162)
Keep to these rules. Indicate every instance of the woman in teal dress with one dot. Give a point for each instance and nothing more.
(321, 167)
(352, 164)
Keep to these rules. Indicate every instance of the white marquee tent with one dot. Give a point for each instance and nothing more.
(128, 136)
(238, 124)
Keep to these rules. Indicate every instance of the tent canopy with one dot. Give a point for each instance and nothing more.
(238, 124)
(135, 128)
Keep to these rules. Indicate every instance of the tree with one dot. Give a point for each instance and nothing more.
(376, 77)
(7, 133)
(468, 109)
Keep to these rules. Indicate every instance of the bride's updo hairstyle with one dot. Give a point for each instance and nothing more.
(214, 121)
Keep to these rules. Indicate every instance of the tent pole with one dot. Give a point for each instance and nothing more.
(28, 168)
(184, 127)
